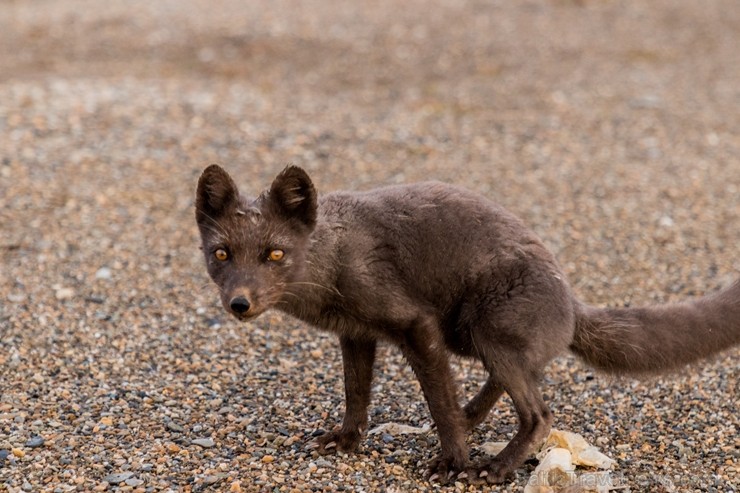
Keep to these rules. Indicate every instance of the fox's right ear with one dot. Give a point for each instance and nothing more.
(216, 193)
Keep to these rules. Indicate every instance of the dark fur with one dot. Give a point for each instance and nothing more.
(434, 268)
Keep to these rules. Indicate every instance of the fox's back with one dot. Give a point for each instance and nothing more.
(434, 241)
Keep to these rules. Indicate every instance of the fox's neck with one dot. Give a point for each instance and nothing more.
(316, 287)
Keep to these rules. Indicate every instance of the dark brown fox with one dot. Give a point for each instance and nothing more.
(434, 269)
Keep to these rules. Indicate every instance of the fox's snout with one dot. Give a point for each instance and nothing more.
(239, 305)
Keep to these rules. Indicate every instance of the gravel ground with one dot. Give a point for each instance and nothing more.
(611, 127)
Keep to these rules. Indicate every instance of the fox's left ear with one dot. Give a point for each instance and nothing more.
(294, 195)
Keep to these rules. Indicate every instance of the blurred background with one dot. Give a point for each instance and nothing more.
(611, 127)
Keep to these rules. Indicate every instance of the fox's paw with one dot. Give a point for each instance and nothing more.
(490, 472)
(446, 469)
(329, 443)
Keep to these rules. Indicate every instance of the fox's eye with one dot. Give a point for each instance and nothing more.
(276, 255)
(221, 254)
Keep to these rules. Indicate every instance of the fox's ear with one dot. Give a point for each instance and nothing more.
(216, 192)
(294, 195)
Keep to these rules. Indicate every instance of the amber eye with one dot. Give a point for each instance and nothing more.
(276, 255)
(221, 254)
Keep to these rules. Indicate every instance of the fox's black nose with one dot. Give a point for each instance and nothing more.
(240, 305)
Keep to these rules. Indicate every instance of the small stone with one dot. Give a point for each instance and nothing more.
(236, 487)
(64, 294)
(35, 442)
(173, 448)
(172, 426)
(103, 273)
(134, 482)
(666, 222)
(16, 298)
(118, 477)
(212, 479)
(268, 459)
(204, 442)
(4, 454)
(18, 452)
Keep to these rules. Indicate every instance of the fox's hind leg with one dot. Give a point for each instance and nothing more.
(535, 420)
(518, 328)
(479, 406)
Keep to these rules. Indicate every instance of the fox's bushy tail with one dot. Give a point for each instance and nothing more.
(657, 338)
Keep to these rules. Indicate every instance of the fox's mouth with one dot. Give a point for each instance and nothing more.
(245, 307)
(246, 317)
(241, 306)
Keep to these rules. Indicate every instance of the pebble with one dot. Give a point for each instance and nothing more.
(204, 442)
(172, 426)
(35, 442)
(134, 482)
(16, 298)
(212, 479)
(118, 477)
(64, 294)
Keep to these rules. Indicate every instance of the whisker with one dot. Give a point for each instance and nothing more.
(306, 283)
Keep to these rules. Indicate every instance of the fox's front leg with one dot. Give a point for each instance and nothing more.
(425, 351)
(357, 357)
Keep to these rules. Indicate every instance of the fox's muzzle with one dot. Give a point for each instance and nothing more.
(239, 305)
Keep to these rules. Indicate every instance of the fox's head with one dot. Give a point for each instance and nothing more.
(255, 248)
